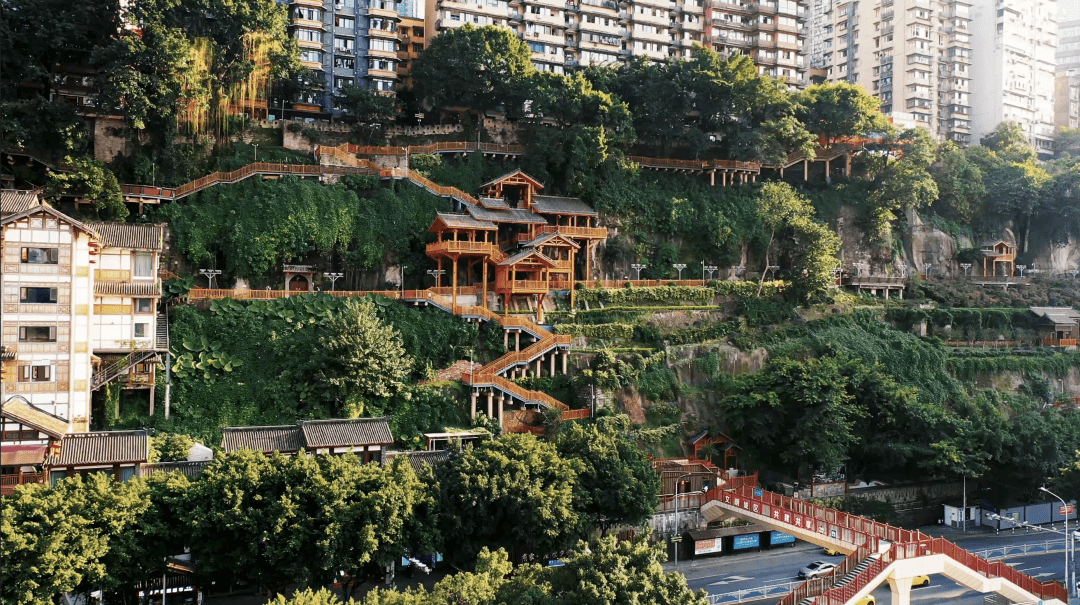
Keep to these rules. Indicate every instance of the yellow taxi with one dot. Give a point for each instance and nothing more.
(867, 600)
(832, 552)
(918, 581)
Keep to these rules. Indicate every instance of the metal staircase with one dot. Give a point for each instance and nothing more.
(846, 579)
(120, 367)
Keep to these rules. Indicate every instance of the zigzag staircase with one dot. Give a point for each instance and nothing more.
(878, 552)
(491, 375)
(120, 367)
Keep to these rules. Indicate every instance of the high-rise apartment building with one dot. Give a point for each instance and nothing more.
(350, 42)
(1013, 50)
(914, 55)
(565, 34)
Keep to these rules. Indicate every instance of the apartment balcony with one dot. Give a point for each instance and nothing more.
(382, 33)
(312, 44)
(598, 46)
(607, 8)
(559, 4)
(384, 13)
(308, 24)
(692, 27)
(382, 54)
(312, 3)
(731, 5)
(313, 65)
(665, 4)
(662, 21)
(738, 25)
(553, 21)
(661, 37)
(555, 40)
(383, 74)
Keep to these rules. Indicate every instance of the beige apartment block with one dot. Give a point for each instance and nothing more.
(913, 55)
(80, 310)
(565, 34)
(1067, 99)
(1014, 45)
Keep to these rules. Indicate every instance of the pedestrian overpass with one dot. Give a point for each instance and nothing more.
(876, 552)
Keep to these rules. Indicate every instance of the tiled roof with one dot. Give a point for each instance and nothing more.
(130, 236)
(189, 469)
(22, 455)
(14, 201)
(288, 438)
(510, 174)
(105, 447)
(124, 288)
(347, 432)
(549, 204)
(1058, 315)
(494, 202)
(34, 417)
(419, 460)
(513, 215)
(526, 253)
(463, 221)
(47, 209)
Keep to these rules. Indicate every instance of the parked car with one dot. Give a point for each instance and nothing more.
(816, 569)
(920, 581)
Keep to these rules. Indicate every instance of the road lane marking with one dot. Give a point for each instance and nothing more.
(731, 580)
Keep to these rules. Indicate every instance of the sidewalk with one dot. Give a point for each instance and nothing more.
(692, 568)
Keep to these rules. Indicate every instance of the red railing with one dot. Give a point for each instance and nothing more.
(8, 483)
(862, 532)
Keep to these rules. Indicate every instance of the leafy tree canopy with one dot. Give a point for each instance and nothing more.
(838, 110)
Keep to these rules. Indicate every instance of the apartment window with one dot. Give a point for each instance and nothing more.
(345, 62)
(141, 330)
(41, 256)
(342, 82)
(144, 305)
(417, 48)
(311, 14)
(386, 45)
(455, 17)
(143, 264)
(382, 85)
(311, 56)
(37, 334)
(347, 22)
(418, 32)
(35, 373)
(381, 64)
(344, 43)
(37, 295)
(308, 36)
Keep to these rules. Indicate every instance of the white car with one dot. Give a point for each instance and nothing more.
(816, 569)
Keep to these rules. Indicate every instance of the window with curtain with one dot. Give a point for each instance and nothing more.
(144, 265)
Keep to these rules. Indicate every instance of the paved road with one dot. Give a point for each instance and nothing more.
(725, 574)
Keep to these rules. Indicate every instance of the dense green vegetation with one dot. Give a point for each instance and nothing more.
(303, 520)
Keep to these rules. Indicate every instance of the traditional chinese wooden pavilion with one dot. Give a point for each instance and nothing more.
(533, 242)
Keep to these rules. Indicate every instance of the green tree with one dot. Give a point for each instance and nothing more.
(900, 179)
(323, 596)
(170, 447)
(616, 484)
(810, 246)
(961, 190)
(507, 492)
(371, 110)
(797, 412)
(613, 573)
(476, 68)
(1014, 184)
(1068, 483)
(89, 179)
(655, 92)
(259, 517)
(361, 358)
(1009, 142)
(56, 538)
(839, 110)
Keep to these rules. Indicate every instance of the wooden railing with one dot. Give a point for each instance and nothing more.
(521, 285)
(641, 283)
(8, 483)
(1059, 342)
(451, 246)
(437, 189)
(450, 146)
(581, 232)
(527, 395)
(240, 174)
(983, 343)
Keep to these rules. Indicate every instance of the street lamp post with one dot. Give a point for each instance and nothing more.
(711, 269)
(638, 267)
(256, 145)
(772, 269)
(437, 274)
(333, 279)
(740, 270)
(965, 267)
(1065, 508)
(401, 282)
(210, 275)
(929, 266)
(1021, 268)
(679, 267)
(676, 534)
(1074, 273)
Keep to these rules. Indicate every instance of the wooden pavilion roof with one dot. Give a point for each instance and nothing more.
(34, 417)
(553, 239)
(550, 204)
(528, 254)
(517, 177)
(459, 221)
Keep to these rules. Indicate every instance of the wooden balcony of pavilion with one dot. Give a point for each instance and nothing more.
(526, 272)
(998, 252)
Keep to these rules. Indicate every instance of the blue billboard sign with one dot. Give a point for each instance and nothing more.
(779, 537)
(746, 541)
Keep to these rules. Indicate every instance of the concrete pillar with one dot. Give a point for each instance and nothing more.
(506, 339)
(806, 170)
(489, 410)
(472, 405)
(517, 340)
(490, 394)
(551, 363)
(500, 409)
(151, 399)
(565, 354)
(712, 178)
(538, 359)
(901, 590)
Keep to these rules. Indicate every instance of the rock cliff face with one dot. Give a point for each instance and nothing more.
(1056, 259)
(926, 245)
